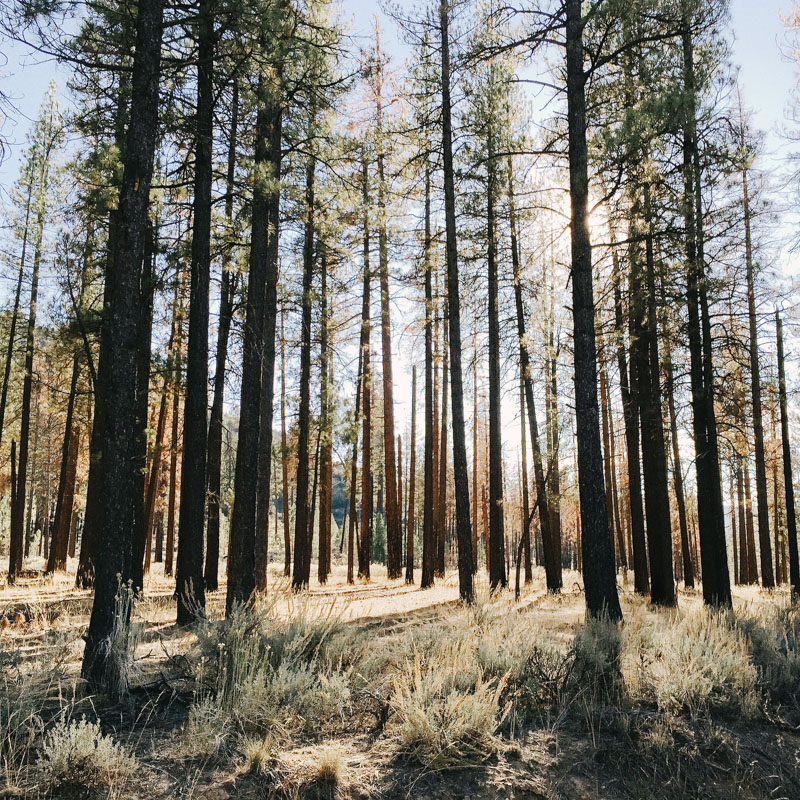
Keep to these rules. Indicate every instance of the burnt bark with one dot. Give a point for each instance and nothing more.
(788, 483)
(463, 523)
(598, 557)
(119, 484)
(226, 298)
(257, 347)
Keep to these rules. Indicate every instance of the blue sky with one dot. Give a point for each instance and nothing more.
(767, 78)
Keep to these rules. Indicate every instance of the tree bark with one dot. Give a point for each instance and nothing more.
(326, 446)
(144, 358)
(57, 556)
(630, 409)
(497, 562)
(351, 529)
(365, 539)
(680, 500)
(412, 478)
(429, 479)
(442, 483)
(654, 458)
(287, 540)
(552, 565)
(788, 482)
(226, 297)
(173, 461)
(394, 536)
(304, 524)
(257, 345)
(110, 617)
(762, 498)
(190, 588)
(598, 558)
(711, 519)
(463, 524)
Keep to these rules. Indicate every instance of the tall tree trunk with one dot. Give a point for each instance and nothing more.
(750, 527)
(326, 446)
(351, 529)
(598, 557)
(57, 556)
(442, 483)
(711, 518)
(267, 384)
(429, 480)
(762, 499)
(497, 566)
(412, 479)
(287, 540)
(788, 483)
(84, 578)
(257, 345)
(145, 335)
(190, 588)
(732, 495)
(654, 458)
(400, 486)
(677, 472)
(394, 536)
(618, 526)
(552, 564)
(313, 507)
(365, 538)
(94, 487)
(304, 524)
(604, 412)
(554, 471)
(463, 525)
(526, 515)
(744, 558)
(173, 461)
(12, 331)
(110, 616)
(475, 450)
(14, 493)
(630, 409)
(226, 297)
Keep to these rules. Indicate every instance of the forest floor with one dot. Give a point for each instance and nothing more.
(383, 690)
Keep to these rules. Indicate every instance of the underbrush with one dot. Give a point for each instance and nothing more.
(300, 701)
(32, 693)
(76, 756)
(264, 679)
(453, 691)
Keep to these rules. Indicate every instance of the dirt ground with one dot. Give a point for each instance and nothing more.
(558, 757)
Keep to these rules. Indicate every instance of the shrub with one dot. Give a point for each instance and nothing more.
(260, 675)
(691, 664)
(259, 754)
(597, 652)
(772, 633)
(30, 694)
(443, 720)
(77, 754)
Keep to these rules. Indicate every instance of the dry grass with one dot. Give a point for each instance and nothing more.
(369, 690)
(77, 756)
